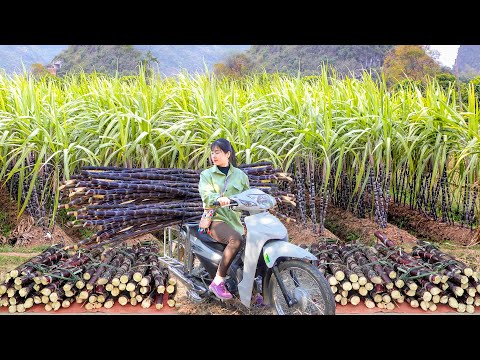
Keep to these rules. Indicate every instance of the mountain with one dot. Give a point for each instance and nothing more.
(308, 58)
(170, 59)
(468, 61)
(104, 58)
(12, 56)
(193, 58)
(100, 58)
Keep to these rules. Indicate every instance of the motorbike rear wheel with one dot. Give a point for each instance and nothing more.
(305, 283)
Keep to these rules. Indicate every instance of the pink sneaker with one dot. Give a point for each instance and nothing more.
(220, 291)
(258, 301)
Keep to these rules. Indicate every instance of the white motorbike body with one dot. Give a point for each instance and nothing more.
(262, 227)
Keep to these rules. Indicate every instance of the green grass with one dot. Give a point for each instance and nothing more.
(351, 236)
(23, 249)
(371, 241)
(84, 232)
(12, 261)
(62, 218)
(6, 226)
(8, 263)
(331, 226)
(449, 246)
(400, 221)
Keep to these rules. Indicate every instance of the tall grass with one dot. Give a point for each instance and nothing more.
(347, 124)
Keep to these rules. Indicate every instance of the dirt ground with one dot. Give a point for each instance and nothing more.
(298, 234)
(25, 232)
(427, 227)
(348, 227)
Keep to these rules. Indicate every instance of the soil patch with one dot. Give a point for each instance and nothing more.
(215, 307)
(304, 235)
(28, 234)
(350, 228)
(8, 215)
(427, 228)
(24, 231)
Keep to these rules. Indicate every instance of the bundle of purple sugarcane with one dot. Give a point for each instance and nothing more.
(95, 278)
(385, 275)
(122, 203)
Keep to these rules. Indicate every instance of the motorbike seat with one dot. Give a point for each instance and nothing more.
(205, 238)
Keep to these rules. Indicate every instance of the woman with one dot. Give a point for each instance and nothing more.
(217, 183)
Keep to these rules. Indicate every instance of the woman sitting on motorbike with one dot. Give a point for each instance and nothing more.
(217, 183)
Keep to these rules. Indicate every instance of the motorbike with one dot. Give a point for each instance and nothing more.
(269, 267)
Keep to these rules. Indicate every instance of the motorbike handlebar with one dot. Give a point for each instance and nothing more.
(232, 202)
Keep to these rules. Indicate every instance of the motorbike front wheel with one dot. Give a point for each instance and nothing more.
(306, 284)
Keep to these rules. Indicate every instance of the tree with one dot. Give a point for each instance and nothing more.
(236, 66)
(38, 70)
(446, 80)
(347, 60)
(146, 63)
(409, 62)
(220, 70)
(433, 53)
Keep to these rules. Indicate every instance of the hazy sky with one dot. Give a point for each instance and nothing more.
(448, 53)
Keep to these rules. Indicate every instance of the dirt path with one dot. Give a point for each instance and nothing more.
(18, 254)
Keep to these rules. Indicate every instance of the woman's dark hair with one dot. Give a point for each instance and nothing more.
(225, 146)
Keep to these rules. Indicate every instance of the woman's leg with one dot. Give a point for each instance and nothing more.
(225, 234)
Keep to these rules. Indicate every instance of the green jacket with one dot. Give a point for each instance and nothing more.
(210, 187)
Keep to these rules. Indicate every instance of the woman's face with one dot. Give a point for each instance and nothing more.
(219, 157)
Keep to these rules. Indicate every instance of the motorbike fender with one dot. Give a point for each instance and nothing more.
(265, 227)
(275, 249)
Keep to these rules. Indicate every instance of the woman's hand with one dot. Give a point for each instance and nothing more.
(223, 200)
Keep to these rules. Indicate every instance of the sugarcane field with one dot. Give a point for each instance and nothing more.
(99, 174)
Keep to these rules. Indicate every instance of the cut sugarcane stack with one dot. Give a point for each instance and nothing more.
(385, 275)
(95, 278)
(122, 203)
